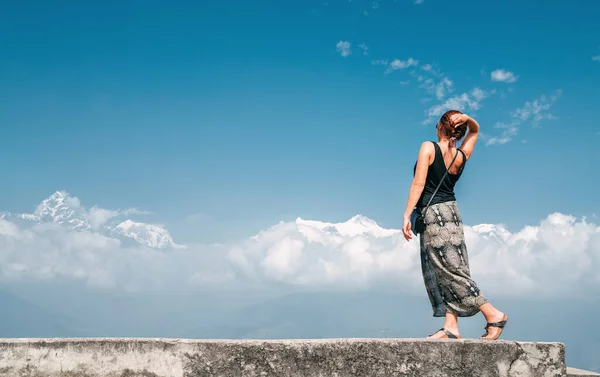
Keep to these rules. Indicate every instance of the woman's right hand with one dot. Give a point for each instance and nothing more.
(406, 231)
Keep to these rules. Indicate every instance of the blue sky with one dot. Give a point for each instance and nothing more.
(222, 118)
(235, 115)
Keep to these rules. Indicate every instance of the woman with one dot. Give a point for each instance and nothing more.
(444, 260)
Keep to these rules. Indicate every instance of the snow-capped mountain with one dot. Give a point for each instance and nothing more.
(357, 225)
(66, 210)
(146, 234)
(492, 232)
(62, 208)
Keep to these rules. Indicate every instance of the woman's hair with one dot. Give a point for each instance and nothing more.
(448, 129)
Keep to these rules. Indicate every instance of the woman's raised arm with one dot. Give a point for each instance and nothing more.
(468, 143)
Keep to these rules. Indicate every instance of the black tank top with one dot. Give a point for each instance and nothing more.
(435, 172)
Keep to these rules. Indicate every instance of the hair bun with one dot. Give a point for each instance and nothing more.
(454, 133)
(459, 132)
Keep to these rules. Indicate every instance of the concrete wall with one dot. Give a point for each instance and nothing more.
(573, 372)
(332, 357)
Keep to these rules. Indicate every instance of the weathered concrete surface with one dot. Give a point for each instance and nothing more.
(289, 358)
(580, 373)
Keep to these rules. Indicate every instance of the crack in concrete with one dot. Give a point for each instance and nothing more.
(520, 352)
(42, 356)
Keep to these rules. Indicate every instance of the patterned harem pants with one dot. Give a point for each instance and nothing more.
(445, 263)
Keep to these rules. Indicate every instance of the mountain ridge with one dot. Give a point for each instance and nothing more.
(66, 210)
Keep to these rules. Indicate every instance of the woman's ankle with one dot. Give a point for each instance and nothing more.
(490, 312)
(494, 316)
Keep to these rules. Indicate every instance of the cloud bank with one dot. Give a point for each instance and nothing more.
(559, 256)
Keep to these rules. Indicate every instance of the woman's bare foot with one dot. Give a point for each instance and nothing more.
(445, 333)
(495, 326)
(496, 320)
(450, 329)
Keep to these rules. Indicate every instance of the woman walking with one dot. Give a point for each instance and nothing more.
(444, 260)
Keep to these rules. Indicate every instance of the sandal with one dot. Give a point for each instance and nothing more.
(449, 334)
(499, 325)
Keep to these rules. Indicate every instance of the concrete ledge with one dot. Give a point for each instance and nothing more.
(289, 358)
(580, 373)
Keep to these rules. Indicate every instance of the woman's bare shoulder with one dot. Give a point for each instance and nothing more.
(427, 146)
(427, 151)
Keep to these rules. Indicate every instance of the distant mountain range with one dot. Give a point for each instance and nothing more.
(66, 210)
(357, 225)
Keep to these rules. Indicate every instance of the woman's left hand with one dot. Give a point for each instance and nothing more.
(406, 228)
(459, 119)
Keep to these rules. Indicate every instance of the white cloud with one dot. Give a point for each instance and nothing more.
(466, 101)
(379, 62)
(480, 94)
(398, 64)
(8, 229)
(537, 110)
(64, 210)
(558, 256)
(533, 112)
(282, 258)
(47, 252)
(440, 88)
(364, 48)
(100, 216)
(62, 207)
(344, 48)
(501, 75)
(596, 58)
(509, 131)
(435, 82)
(419, 1)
